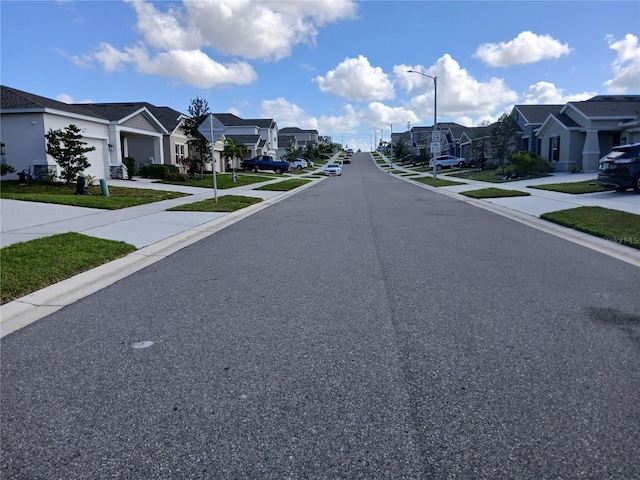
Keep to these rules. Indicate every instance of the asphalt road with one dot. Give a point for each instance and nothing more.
(365, 328)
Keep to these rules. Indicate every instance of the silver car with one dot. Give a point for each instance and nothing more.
(448, 161)
(333, 169)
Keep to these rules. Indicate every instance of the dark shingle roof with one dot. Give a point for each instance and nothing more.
(231, 120)
(537, 114)
(294, 130)
(608, 106)
(13, 99)
(565, 120)
(247, 139)
(168, 117)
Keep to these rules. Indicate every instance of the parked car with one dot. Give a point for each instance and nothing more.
(412, 158)
(620, 169)
(333, 169)
(300, 163)
(347, 159)
(264, 162)
(448, 161)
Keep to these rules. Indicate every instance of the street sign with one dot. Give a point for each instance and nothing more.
(435, 137)
(212, 128)
(435, 147)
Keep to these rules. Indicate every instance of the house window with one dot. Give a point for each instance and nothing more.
(554, 149)
(179, 147)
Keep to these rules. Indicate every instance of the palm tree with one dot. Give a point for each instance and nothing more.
(234, 150)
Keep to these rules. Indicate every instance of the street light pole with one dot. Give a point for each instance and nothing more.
(435, 107)
(390, 141)
(375, 137)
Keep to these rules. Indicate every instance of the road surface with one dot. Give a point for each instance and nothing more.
(365, 328)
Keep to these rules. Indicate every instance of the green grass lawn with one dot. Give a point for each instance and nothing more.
(284, 186)
(492, 176)
(439, 182)
(119, 197)
(588, 186)
(30, 266)
(226, 203)
(494, 193)
(613, 225)
(225, 180)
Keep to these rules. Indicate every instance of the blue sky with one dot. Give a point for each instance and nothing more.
(336, 66)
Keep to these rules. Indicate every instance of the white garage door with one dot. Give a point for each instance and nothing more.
(96, 159)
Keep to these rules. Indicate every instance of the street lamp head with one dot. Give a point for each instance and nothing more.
(423, 74)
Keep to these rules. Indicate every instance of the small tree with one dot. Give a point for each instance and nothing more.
(68, 150)
(198, 112)
(480, 146)
(5, 168)
(234, 150)
(400, 149)
(503, 137)
(130, 165)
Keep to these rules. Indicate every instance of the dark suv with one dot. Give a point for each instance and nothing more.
(620, 169)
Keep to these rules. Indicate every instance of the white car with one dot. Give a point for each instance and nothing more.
(300, 163)
(448, 161)
(333, 169)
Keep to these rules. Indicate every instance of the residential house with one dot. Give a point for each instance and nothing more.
(404, 137)
(286, 144)
(472, 142)
(529, 119)
(450, 134)
(140, 130)
(259, 135)
(25, 118)
(583, 132)
(303, 138)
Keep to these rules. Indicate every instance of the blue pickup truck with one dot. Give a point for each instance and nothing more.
(265, 162)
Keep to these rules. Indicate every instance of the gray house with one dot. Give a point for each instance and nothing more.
(583, 132)
(529, 119)
(140, 130)
(260, 135)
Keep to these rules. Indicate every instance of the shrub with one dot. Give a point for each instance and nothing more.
(130, 165)
(178, 177)
(155, 170)
(527, 163)
(575, 168)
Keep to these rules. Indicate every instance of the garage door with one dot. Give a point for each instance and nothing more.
(96, 159)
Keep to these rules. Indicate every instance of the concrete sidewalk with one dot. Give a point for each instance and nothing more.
(140, 226)
(541, 201)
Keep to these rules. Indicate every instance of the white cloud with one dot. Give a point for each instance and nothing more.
(527, 47)
(548, 93)
(356, 80)
(265, 30)
(174, 40)
(193, 67)
(459, 95)
(111, 58)
(626, 66)
(68, 99)
(165, 30)
(287, 114)
(377, 112)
